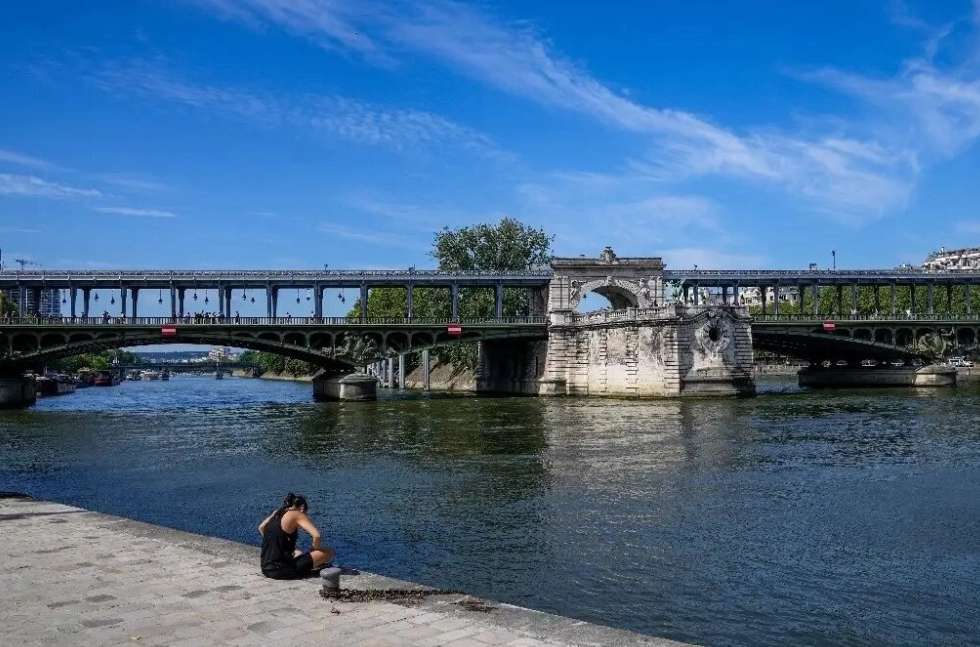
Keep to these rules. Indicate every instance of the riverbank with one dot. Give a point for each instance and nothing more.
(273, 376)
(65, 582)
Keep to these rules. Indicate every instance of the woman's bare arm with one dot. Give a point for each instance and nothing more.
(266, 523)
(307, 524)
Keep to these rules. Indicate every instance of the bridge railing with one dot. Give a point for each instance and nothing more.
(899, 317)
(56, 322)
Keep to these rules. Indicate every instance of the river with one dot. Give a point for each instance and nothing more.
(847, 517)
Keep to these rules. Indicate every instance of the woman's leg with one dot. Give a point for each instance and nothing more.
(322, 555)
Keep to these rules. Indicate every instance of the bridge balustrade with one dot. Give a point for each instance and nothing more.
(270, 321)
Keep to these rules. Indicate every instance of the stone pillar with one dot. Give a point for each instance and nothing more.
(410, 301)
(181, 293)
(122, 299)
(697, 295)
(764, 292)
(454, 298)
(401, 371)
(318, 300)
(735, 291)
(275, 303)
(364, 302)
(816, 299)
(86, 298)
(391, 372)
(17, 391)
(72, 294)
(173, 302)
(136, 296)
(724, 295)
(498, 301)
(268, 301)
(425, 370)
(930, 299)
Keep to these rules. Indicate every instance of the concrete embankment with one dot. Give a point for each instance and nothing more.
(75, 577)
(443, 377)
(274, 376)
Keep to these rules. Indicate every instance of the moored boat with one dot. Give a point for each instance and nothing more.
(107, 378)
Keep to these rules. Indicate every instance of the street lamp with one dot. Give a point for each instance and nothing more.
(833, 254)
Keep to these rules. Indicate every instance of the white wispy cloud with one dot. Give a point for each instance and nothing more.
(132, 182)
(351, 119)
(373, 237)
(135, 212)
(861, 179)
(709, 258)
(31, 185)
(19, 159)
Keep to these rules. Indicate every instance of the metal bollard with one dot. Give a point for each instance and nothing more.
(330, 578)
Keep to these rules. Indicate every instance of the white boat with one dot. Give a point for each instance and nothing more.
(151, 375)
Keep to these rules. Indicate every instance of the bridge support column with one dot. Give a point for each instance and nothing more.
(775, 300)
(173, 302)
(122, 300)
(274, 303)
(136, 296)
(72, 294)
(498, 300)
(364, 302)
(724, 295)
(426, 382)
(877, 289)
(765, 294)
(949, 299)
(930, 304)
(22, 301)
(318, 301)
(454, 297)
(181, 294)
(894, 289)
(854, 298)
(401, 371)
(86, 294)
(390, 372)
(912, 297)
(840, 300)
(968, 297)
(816, 299)
(697, 295)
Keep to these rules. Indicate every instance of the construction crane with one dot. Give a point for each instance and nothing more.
(24, 261)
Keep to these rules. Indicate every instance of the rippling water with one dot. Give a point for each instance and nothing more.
(792, 517)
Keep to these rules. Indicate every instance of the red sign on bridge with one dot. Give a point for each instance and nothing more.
(454, 329)
(829, 326)
(168, 331)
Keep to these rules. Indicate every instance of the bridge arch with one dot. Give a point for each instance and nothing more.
(620, 293)
(966, 337)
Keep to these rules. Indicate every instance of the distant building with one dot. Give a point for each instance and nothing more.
(789, 295)
(50, 305)
(967, 258)
(220, 354)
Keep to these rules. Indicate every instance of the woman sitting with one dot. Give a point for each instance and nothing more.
(280, 559)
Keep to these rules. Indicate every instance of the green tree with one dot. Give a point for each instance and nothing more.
(507, 246)
(7, 307)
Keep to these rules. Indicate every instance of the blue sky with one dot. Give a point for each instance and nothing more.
(278, 133)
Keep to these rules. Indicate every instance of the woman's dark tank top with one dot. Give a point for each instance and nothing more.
(277, 545)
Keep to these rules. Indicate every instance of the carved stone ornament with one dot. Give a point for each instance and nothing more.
(714, 335)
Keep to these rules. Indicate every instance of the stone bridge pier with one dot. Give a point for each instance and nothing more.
(640, 347)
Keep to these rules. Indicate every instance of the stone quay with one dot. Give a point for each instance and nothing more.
(70, 576)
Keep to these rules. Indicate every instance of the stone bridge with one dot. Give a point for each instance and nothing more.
(666, 332)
